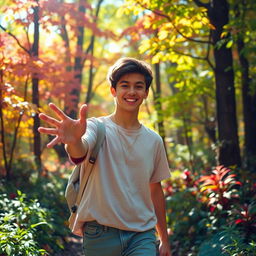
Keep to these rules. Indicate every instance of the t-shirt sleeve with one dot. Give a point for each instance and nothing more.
(161, 166)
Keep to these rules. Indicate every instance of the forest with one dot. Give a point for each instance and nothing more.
(202, 102)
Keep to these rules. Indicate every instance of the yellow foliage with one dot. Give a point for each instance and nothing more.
(157, 58)
(163, 34)
(197, 25)
(147, 23)
(205, 20)
(185, 22)
(145, 45)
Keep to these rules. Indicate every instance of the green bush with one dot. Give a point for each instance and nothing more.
(188, 221)
(48, 192)
(19, 223)
(228, 242)
(51, 194)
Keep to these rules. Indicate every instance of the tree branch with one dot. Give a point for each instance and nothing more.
(189, 55)
(208, 53)
(16, 39)
(27, 35)
(15, 136)
(206, 58)
(201, 4)
(95, 19)
(159, 13)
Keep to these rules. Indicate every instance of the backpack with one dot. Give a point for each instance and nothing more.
(76, 184)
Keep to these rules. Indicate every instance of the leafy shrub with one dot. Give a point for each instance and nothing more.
(51, 194)
(19, 222)
(48, 191)
(228, 242)
(219, 187)
(186, 215)
(213, 214)
(187, 219)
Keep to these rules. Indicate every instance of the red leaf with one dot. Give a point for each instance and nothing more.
(239, 221)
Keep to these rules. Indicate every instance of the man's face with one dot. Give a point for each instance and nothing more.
(130, 91)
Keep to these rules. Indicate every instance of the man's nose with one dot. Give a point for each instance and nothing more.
(131, 90)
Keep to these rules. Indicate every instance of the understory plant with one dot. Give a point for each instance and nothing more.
(209, 215)
(19, 225)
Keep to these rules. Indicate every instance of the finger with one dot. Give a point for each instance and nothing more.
(54, 142)
(83, 113)
(51, 131)
(58, 111)
(49, 119)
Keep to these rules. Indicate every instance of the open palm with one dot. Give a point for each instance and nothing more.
(66, 129)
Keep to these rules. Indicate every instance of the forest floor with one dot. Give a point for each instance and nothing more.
(73, 247)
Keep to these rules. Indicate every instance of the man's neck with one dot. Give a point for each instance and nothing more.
(128, 120)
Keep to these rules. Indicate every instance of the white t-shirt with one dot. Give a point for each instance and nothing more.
(118, 193)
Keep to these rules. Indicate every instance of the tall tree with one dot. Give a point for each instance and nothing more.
(242, 24)
(229, 151)
(157, 93)
(89, 93)
(33, 53)
(183, 29)
(35, 88)
(74, 94)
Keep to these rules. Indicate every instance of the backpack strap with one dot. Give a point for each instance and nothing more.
(101, 131)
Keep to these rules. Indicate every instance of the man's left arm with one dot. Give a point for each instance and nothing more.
(158, 200)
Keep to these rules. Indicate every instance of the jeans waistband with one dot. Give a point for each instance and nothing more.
(105, 228)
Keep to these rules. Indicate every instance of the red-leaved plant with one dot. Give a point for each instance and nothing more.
(245, 218)
(219, 188)
(246, 215)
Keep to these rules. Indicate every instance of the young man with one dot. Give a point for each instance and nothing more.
(123, 201)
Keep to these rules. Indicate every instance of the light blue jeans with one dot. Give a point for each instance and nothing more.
(101, 240)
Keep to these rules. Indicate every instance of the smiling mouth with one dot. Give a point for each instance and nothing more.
(130, 100)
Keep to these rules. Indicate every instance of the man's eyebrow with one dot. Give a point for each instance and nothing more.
(127, 82)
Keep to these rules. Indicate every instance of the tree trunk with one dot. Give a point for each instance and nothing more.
(249, 109)
(179, 134)
(59, 148)
(91, 75)
(188, 139)
(71, 106)
(2, 127)
(229, 152)
(157, 100)
(35, 91)
(158, 105)
(209, 125)
(248, 97)
(89, 94)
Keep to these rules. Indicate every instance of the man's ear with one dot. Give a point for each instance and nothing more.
(113, 91)
(146, 93)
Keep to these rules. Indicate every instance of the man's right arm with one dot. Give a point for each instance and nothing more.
(78, 149)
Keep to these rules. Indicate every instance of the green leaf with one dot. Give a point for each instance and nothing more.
(8, 249)
(38, 224)
(229, 44)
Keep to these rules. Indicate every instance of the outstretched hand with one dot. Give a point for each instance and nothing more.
(66, 129)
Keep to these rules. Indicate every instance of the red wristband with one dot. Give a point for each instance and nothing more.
(77, 160)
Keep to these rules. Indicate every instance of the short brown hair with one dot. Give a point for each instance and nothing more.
(127, 65)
